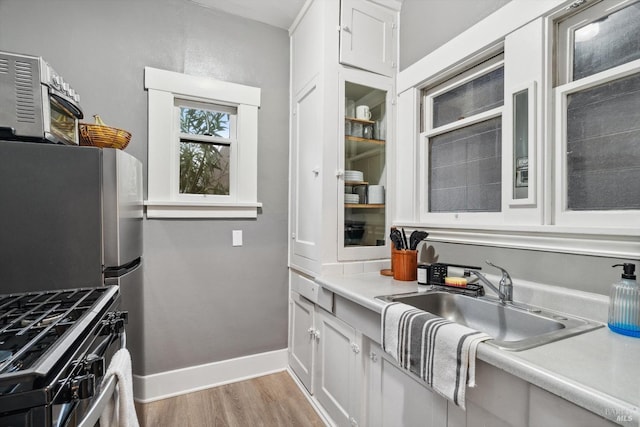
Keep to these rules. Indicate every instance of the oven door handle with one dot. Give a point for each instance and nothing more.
(106, 393)
(94, 413)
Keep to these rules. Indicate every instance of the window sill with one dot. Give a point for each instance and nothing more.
(597, 241)
(183, 209)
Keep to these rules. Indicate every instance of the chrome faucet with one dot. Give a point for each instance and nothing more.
(505, 289)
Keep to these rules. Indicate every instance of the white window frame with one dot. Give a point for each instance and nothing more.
(563, 216)
(567, 86)
(430, 132)
(508, 149)
(165, 90)
(520, 230)
(565, 33)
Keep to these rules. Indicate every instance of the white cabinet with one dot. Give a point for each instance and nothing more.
(338, 369)
(368, 36)
(301, 339)
(547, 409)
(325, 354)
(355, 382)
(320, 151)
(306, 177)
(394, 398)
(324, 351)
(303, 330)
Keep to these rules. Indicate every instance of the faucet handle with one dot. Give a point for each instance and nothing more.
(506, 278)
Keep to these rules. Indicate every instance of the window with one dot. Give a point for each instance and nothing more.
(207, 141)
(598, 115)
(202, 147)
(463, 141)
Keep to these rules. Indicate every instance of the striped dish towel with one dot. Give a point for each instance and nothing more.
(441, 352)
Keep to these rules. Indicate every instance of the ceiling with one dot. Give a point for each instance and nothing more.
(279, 13)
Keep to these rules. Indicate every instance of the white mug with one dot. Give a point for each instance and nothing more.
(363, 112)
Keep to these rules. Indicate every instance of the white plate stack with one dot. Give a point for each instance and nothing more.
(351, 198)
(375, 195)
(355, 176)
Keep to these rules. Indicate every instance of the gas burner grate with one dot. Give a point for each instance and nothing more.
(32, 323)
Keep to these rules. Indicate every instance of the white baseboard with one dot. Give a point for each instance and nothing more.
(149, 388)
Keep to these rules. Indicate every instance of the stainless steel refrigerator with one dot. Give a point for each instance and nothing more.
(71, 217)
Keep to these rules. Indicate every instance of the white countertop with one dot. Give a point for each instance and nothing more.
(598, 370)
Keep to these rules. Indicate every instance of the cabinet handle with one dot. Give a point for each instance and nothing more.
(355, 348)
(316, 335)
(316, 171)
(346, 29)
(310, 331)
(353, 422)
(373, 356)
(339, 173)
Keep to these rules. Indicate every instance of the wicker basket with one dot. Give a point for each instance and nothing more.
(103, 136)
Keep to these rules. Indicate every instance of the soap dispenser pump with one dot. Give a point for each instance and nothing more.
(624, 304)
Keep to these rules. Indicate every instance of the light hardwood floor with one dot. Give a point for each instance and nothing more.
(271, 400)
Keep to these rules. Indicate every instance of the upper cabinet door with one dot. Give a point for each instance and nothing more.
(368, 36)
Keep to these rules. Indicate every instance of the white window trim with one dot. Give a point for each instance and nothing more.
(164, 200)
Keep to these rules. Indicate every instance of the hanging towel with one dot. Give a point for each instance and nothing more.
(120, 410)
(442, 353)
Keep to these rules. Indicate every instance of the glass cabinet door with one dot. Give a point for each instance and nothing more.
(364, 165)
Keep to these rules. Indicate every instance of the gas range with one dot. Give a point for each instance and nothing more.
(54, 349)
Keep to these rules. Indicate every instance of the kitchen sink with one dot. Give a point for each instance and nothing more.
(513, 326)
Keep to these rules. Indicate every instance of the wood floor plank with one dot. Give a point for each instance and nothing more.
(271, 400)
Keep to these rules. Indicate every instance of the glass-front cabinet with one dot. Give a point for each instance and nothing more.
(362, 189)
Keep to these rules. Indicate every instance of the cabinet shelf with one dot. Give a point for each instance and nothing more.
(356, 183)
(365, 140)
(364, 206)
(353, 119)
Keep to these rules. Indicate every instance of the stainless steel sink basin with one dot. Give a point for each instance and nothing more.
(512, 326)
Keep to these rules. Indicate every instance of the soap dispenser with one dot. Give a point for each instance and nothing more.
(624, 304)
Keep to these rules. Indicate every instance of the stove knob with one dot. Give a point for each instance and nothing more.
(83, 386)
(94, 365)
(124, 315)
(122, 319)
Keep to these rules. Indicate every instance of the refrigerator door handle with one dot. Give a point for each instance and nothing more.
(121, 270)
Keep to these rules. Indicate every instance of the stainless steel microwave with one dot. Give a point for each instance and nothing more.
(36, 104)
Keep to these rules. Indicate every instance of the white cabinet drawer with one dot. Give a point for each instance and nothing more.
(309, 289)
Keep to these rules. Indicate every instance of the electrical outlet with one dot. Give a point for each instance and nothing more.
(237, 237)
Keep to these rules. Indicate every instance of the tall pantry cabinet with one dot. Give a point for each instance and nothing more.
(343, 57)
(343, 63)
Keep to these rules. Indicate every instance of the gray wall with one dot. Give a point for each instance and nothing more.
(204, 300)
(426, 25)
